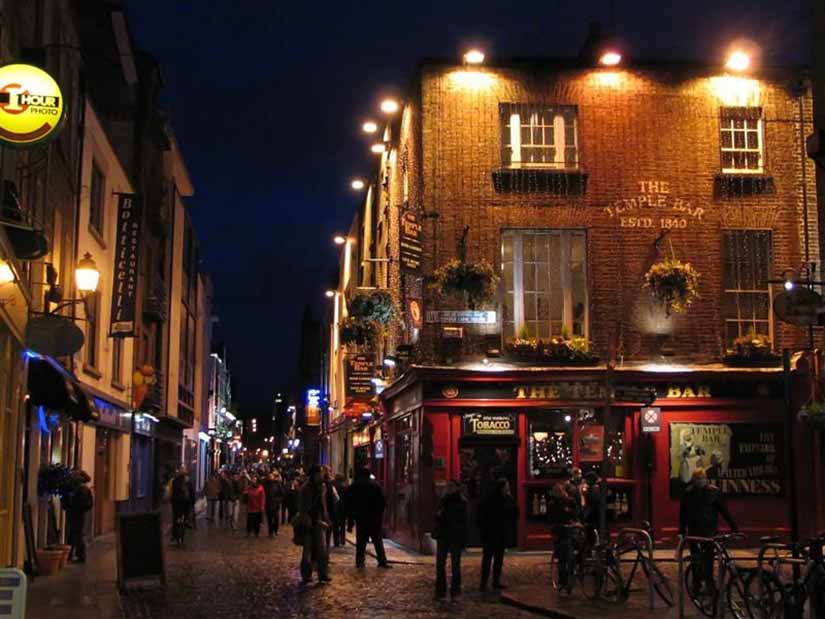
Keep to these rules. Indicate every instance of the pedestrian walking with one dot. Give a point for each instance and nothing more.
(233, 500)
(182, 496)
(274, 497)
(497, 514)
(332, 504)
(287, 486)
(450, 529)
(364, 506)
(292, 498)
(255, 505)
(339, 518)
(212, 490)
(575, 490)
(563, 512)
(312, 520)
(77, 504)
(593, 505)
(699, 511)
(223, 497)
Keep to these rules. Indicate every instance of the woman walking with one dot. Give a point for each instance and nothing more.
(451, 525)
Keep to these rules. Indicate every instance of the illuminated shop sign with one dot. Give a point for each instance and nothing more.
(480, 424)
(31, 106)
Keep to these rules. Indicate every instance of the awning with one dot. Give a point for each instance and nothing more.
(53, 386)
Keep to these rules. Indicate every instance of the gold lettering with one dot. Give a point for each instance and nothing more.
(703, 391)
(673, 391)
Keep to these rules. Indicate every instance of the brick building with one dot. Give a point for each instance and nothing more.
(571, 180)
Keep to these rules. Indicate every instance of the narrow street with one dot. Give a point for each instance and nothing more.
(221, 573)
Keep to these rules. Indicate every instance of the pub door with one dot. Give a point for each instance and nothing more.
(481, 464)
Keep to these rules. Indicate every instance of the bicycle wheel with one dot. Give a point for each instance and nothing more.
(737, 595)
(554, 572)
(702, 594)
(661, 583)
(592, 580)
(765, 601)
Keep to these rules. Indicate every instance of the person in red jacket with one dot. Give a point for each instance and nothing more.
(255, 504)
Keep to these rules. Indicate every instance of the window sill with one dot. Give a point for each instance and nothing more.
(92, 371)
(541, 181)
(98, 236)
(740, 185)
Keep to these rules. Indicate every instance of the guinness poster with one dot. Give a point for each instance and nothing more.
(410, 252)
(739, 458)
(127, 251)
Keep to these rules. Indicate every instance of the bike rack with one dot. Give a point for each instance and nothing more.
(680, 559)
(781, 560)
(649, 544)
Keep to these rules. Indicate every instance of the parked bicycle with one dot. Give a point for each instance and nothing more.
(791, 576)
(728, 579)
(640, 542)
(577, 536)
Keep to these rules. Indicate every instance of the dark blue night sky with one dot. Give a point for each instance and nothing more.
(267, 96)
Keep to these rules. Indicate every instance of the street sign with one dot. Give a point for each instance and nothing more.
(800, 306)
(651, 419)
(378, 449)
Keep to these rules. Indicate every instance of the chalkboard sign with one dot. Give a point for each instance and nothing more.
(140, 548)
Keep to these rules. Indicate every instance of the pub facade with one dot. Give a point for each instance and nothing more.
(518, 220)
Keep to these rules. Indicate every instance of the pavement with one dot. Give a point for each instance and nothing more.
(222, 573)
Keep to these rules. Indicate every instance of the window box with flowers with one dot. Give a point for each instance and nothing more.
(752, 350)
(563, 349)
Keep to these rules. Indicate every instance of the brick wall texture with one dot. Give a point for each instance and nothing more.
(649, 142)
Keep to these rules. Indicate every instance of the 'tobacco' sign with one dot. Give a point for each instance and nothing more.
(31, 106)
(479, 424)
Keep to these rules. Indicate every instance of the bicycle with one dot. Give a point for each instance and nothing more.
(641, 542)
(731, 578)
(773, 597)
(601, 578)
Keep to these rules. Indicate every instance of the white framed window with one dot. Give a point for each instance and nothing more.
(742, 140)
(539, 136)
(544, 275)
(746, 297)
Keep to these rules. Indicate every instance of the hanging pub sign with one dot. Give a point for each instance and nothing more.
(739, 458)
(31, 106)
(127, 250)
(489, 425)
(312, 410)
(410, 250)
(360, 371)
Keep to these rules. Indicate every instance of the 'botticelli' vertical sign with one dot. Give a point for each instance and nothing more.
(127, 251)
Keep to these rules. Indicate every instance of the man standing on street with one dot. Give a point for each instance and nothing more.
(701, 505)
(497, 514)
(274, 496)
(450, 533)
(77, 505)
(313, 520)
(255, 505)
(365, 503)
(212, 490)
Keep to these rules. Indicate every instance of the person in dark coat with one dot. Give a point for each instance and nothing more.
(183, 497)
(593, 505)
(274, 497)
(332, 504)
(699, 511)
(339, 518)
(77, 505)
(574, 487)
(497, 514)
(364, 504)
(562, 513)
(312, 520)
(451, 519)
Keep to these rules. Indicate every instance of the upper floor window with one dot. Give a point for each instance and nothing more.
(92, 326)
(545, 283)
(746, 300)
(117, 360)
(539, 136)
(96, 199)
(742, 140)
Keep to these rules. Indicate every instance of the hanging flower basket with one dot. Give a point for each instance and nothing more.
(813, 414)
(374, 307)
(474, 282)
(358, 332)
(673, 283)
(751, 350)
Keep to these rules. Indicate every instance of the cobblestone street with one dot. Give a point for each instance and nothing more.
(223, 574)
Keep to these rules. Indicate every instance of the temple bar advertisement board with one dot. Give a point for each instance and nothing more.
(410, 250)
(127, 252)
(360, 371)
(740, 458)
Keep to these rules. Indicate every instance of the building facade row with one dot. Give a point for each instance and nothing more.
(112, 381)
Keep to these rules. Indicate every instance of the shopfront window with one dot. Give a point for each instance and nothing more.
(550, 444)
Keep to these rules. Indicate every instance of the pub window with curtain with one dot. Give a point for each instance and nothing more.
(746, 300)
(742, 142)
(539, 136)
(544, 275)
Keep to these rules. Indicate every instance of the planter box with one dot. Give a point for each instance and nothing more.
(48, 561)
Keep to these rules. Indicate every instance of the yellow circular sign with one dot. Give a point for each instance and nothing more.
(31, 105)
